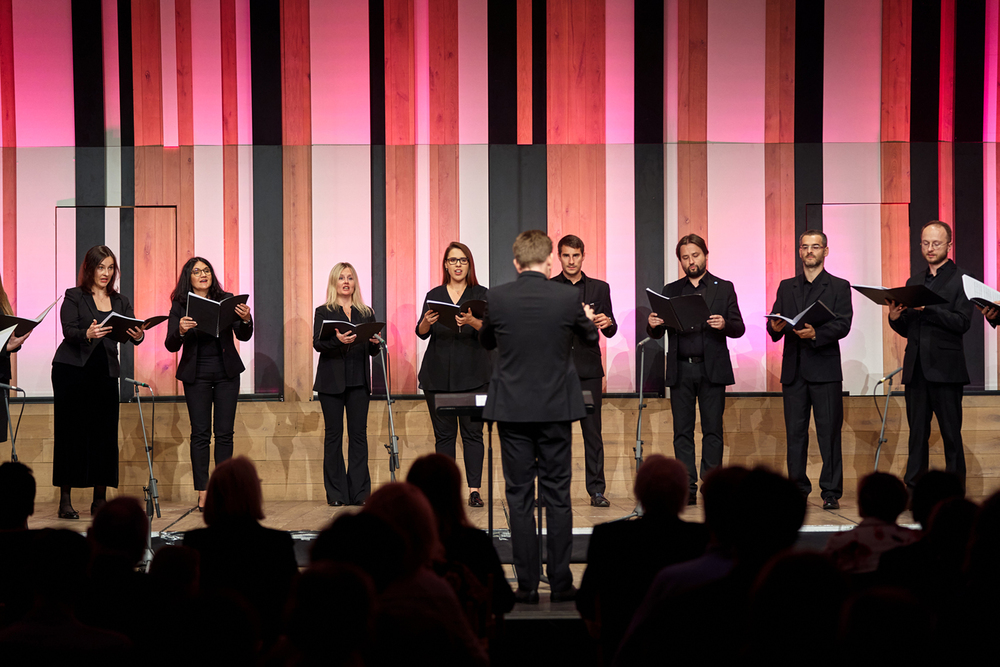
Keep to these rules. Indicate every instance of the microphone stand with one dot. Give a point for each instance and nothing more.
(150, 491)
(393, 446)
(10, 424)
(638, 511)
(885, 415)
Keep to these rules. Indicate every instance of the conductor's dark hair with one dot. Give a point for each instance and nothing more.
(470, 279)
(813, 232)
(180, 292)
(571, 241)
(88, 268)
(939, 223)
(691, 239)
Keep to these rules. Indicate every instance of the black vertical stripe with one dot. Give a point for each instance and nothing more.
(501, 54)
(88, 121)
(376, 74)
(924, 188)
(539, 72)
(648, 72)
(518, 202)
(809, 42)
(649, 257)
(925, 70)
(125, 77)
(970, 45)
(126, 224)
(268, 219)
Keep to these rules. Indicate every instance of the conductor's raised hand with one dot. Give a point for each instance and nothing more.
(95, 331)
(347, 338)
(654, 321)
(589, 312)
(186, 325)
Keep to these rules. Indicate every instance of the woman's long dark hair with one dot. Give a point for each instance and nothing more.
(94, 256)
(180, 292)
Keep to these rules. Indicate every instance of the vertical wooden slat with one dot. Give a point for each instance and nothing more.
(444, 188)
(147, 78)
(443, 80)
(897, 17)
(230, 151)
(524, 100)
(400, 126)
(185, 99)
(779, 160)
(575, 77)
(297, 198)
(692, 118)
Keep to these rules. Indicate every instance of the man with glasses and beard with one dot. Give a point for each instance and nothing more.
(811, 373)
(698, 363)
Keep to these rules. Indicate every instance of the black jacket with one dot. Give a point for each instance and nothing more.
(936, 332)
(187, 367)
(597, 293)
(531, 322)
(330, 372)
(720, 295)
(77, 313)
(454, 360)
(817, 360)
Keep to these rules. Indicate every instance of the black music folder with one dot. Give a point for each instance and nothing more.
(816, 315)
(120, 325)
(214, 317)
(363, 330)
(23, 324)
(911, 296)
(682, 313)
(449, 311)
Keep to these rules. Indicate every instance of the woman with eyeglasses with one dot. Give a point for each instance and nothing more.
(85, 384)
(209, 367)
(455, 361)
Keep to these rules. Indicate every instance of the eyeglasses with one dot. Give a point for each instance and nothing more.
(814, 247)
(199, 272)
(455, 261)
(932, 244)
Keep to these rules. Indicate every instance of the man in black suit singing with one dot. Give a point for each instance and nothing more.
(534, 397)
(811, 373)
(698, 363)
(587, 358)
(934, 369)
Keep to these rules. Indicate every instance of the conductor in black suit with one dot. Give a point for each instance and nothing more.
(534, 397)
(934, 370)
(587, 359)
(811, 373)
(698, 363)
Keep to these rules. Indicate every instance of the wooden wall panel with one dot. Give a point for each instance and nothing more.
(443, 173)
(779, 72)
(155, 251)
(402, 300)
(185, 99)
(524, 79)
(692, 119)
(400, 80)
(444, 204)
(577, 196)
(297, 195)
(575, 110)
(147, 77)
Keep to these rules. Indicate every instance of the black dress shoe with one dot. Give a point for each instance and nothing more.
(336, 503)
(567, 595)
(475, 500)
(524, 596)
(68, 513)
(831, 504)
(598, 500)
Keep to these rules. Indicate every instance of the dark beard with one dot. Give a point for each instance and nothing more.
(698, 271)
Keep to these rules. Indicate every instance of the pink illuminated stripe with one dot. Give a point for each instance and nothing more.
(206, 72)
(852, 71)
(670, 72)
(209, 237)
(990, 70)
(473, 73)
(112, 98)
(619, 264)
(168, 56)
(422, 64)
(619, 68)
(338, 39)
(43, 73)
(736, 30)
(246, 264)
(244, 92)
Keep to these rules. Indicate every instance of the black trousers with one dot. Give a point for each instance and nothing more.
(593, 441)
(201, 396)
(353, 484)
(446, 430)
(542, 449)
(826, 400)
(693, 384)
(943, 399)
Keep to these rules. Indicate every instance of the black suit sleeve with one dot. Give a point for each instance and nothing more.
(72, 316)
(657, 332)
(840, 326)
(734, 319)
(608, 310)
(585, 329)
(329, 344)
(174, 340)
(954, 317)
(776, 308)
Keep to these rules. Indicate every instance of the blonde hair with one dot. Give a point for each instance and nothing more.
(357, 301)
(5, 302)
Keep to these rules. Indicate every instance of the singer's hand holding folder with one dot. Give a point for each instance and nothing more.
(214, 317)
(815, 315)
(120, 325)
(364, 330)
(911, 296)
(449, 311)
(682, 313)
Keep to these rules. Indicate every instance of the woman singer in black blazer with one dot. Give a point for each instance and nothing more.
(344, 380)
(210, 368)
(85, 384)
(455, 361)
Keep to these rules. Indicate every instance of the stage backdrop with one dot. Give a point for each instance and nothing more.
(279, 137)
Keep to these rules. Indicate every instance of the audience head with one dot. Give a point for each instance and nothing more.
(661, 486)
(234, 494)
(440, 480)
(17, 495)
(782, 509)
(720, 493)
(948, 531)
(408, 511)
(984, 547)
(872, 617)
(932, 488)
(366, 541)
(120, 530)
(881, 496)
(176, 570)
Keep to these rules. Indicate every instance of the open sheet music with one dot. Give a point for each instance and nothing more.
(120, 325)
(911, 296)
(815, 315)
(214, 317)
(364, 330)
(681, 313)
(449, 311)
(980, 293)
(23, 324)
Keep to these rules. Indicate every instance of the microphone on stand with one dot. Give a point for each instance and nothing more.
(11, 387)
(137, 383)
(889, 376)
(644, 341)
